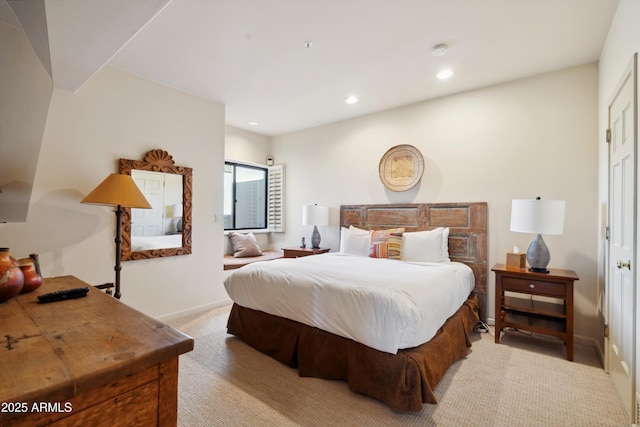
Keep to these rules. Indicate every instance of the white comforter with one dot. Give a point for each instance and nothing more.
(384, 304)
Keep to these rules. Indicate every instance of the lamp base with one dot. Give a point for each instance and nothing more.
(118, 266)
(315, 238)
(539, 270)
(538, 255)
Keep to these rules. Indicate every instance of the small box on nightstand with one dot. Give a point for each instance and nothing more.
(516, 260)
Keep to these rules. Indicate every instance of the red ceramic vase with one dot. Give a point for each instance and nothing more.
(11, 277)
(32, 280)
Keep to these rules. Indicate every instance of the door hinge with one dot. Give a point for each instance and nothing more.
(607, 233)
(608, 135)
(606, 331)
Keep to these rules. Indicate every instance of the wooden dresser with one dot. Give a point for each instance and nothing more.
(90, 361)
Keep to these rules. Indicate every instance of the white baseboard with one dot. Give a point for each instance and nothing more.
(194, 310)
(590, 342)
(599, 351)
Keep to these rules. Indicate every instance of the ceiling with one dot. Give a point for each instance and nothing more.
(253, 57)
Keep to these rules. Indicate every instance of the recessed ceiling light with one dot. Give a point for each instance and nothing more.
(445, 74)
(351, 99)
(253, 123)
(439, 49)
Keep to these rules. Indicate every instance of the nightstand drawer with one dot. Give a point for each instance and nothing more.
(533, 286)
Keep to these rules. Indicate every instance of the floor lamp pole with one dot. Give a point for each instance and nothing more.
(118, 267)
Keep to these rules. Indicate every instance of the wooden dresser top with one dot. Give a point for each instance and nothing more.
(58, 350)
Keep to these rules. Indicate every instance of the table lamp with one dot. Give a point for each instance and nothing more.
(315, 215)
(177, 213)
(537, 217)
(121, 191)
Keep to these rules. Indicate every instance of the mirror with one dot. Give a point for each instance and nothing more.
(164, 230)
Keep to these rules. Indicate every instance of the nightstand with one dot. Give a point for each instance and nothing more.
(518, 309)
(300, 252)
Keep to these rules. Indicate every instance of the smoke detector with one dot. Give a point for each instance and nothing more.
(439, 49)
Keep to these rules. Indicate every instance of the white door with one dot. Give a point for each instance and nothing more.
(620, 289)
(149, 222)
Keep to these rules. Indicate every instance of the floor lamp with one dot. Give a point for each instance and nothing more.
(121, 191)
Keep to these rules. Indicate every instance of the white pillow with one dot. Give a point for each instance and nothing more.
(354, 241)
(426, 246)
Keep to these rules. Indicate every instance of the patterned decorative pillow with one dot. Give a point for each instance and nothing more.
(386, 243)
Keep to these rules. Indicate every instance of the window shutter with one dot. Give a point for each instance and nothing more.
(276, 198)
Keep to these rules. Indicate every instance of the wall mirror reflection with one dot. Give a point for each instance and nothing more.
(161, 226)
(165, 229)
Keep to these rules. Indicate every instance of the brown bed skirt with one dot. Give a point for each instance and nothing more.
(404, 381)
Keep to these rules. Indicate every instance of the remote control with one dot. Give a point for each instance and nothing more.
(63, 294)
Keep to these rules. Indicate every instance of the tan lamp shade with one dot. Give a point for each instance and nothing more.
(118, 189)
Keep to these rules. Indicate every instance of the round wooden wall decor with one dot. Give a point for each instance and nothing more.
(401, 167)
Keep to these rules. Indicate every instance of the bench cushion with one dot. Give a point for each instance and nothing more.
(231, 263)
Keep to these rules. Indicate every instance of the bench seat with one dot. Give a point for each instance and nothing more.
(231, 263)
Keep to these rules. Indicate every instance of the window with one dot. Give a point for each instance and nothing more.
(253, 197)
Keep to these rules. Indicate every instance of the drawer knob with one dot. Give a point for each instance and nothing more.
(531, 285)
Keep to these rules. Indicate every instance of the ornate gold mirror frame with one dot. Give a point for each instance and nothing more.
(158, 161)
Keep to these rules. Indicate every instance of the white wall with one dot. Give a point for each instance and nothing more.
(117, 115)
(244, 146)
(527, 138)
(622, 42)
(25, 93)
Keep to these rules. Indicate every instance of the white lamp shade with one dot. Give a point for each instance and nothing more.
(315, 215)
(177, 210)
(537, 216)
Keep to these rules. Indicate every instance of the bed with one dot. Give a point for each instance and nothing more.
(145, 243)
(343, 328)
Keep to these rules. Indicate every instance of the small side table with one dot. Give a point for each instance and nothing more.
(300, 252)
(519, 310)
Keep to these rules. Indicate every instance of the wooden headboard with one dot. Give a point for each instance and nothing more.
(467, 224)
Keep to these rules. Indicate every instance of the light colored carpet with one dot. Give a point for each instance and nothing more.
(524, 381)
